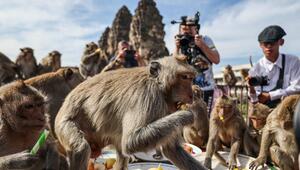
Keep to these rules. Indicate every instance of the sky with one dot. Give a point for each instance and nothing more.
(67, 25)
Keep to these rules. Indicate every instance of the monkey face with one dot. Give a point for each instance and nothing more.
(258, 114)
(30, 115)
(258, 122)
(24, 109)
(182, 90)
(90, 48)
(224, 111)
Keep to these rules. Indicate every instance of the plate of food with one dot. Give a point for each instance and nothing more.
(151, 166)
(243, 161)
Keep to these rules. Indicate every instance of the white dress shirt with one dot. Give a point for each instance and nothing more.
(291, 77)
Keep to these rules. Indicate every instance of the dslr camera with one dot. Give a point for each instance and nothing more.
(129, 54)
(259, 81)
(130, 58)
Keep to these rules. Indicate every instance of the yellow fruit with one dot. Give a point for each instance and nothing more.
(221, 118)
(158, 168)
(109, 163)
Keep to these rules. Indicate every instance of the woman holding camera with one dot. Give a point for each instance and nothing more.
(276, 75)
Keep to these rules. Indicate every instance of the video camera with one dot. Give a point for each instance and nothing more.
(259, 81)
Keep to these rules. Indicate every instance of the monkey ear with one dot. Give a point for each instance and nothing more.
(68, 73)
(155, 68)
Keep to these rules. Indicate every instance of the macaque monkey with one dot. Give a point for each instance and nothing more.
(244, 74)
(229, 76)
(50, 63)
(26, 63)
(93, 60)
(22, 119)
(257, 115)
(197, 133)
(133, 109)
(278, 137)
(226, 127)
(8, 70)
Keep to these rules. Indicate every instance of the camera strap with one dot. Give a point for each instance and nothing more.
(279, 83)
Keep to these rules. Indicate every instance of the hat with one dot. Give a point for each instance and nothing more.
(271, 34)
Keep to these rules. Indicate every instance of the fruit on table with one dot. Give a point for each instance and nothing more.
(109, 163)
(188, 148)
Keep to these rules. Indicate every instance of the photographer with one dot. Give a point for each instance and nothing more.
(276, 75)
(201, 53)
(126, 58)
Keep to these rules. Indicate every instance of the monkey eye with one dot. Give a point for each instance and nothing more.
(28, 106)
(40, 104)
(186, 76)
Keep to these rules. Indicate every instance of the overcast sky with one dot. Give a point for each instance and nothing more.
(67, 25)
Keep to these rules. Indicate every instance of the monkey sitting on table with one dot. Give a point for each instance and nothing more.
(226, 127)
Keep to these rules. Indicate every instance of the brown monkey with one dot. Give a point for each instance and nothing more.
(50, 63)
(133, 109)
(278, 138)
(244, 73)
(56, 86)
(257, 115)
(226, 127)
(92, 61)
(229, 76)
(22, 119)
(26, 63)
(8, 70)
(197, 133)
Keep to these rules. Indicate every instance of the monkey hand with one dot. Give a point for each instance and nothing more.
(207, 163)
(23, 160)
(257, 162)
(231, 164)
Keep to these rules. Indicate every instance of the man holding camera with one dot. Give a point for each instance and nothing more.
(201, 53)
(126, 58)
(276, 75)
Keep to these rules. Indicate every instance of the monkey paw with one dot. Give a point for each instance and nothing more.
(207, 163)
(231, 164)
(256, 163)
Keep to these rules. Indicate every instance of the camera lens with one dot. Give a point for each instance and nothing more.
(253, 81)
